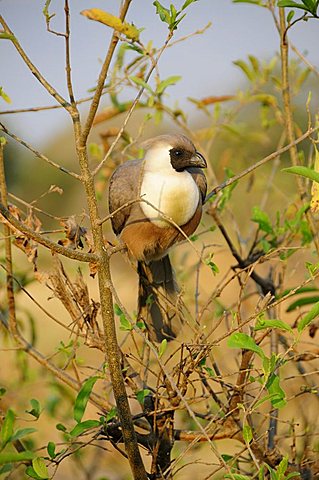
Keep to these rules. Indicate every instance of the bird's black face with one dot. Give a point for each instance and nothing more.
(182, 159)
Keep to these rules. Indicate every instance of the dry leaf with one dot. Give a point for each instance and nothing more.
(28, 246)
(75, 234)
(130, 31)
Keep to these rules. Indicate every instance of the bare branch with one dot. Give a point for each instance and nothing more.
(101, 80)
(37, 153)
(133, 106)
(51, 90)
(46, 242)
(13, 326)
(256, 165)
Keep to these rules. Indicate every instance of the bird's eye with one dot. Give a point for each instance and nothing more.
(178, 153)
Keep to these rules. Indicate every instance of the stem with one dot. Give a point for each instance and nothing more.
(261, 162)
(38, 154)
(111, 345)
(104, 276)
(101, 80)
(284, 51)
(45, 241)
(67, 53)
(51, 90)
(13, 327)
(134, 105)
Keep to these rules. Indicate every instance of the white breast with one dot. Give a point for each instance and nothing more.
(175, 194)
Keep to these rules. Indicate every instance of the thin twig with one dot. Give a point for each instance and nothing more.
(261, 162)
(133, 106)
(13, 326)
(37, 153)
(67, 53)
(101, 80)
(46, 242)
(50, 89)
(284, 51)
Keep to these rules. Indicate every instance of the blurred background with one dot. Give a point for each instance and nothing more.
(205, 62)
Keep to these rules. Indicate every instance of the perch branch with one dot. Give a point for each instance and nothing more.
(45, 241)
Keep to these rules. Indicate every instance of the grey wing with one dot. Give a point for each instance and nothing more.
(123, 187)
(200, 180)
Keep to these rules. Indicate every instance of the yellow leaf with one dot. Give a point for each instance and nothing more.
(130, 31)
(314, 204)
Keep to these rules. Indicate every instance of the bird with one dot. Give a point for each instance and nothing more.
(154, 203)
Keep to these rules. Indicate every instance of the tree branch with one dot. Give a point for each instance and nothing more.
(101, 80)
(51, 90)
(261, 162)
(45, 241)
(37, 153)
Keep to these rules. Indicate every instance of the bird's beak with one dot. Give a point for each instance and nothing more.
(198, 161)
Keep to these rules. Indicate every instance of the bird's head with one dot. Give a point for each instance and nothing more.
(172, 151)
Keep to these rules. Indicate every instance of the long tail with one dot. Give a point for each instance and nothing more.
(159, 302)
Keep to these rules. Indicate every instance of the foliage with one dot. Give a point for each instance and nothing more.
(251, 275)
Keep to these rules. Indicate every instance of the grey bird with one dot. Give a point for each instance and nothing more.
(170, 179)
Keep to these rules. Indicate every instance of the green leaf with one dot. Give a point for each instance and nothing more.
(292, 475)
(241, 340)
(263, 400)
(163, 12)
(61, 427)
(263, 324)
(301, 302)
(227, 192)
(125, 324)
(111, 414)
(36, 408)
(282, 467)
(40, 467)
(212, 265)
(237, 476)
(23, 432)
(140, 396)
(278, 396)
(210, 372)
(162, 348)
(304, 172)
(32, 473)
(83, 427)
(83, 398)
(307, 319)
(6, 468)
(7, 427)
(13, 457)
(165, 83)
(262, 219)
(298, 291)
(245, 68)
(187, 3)
(141, 83)
(2, 391)
(51, 450)
(247, 434)
(307, 5)
(5, 97)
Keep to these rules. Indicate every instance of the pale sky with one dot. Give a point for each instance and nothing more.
(204, 61)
